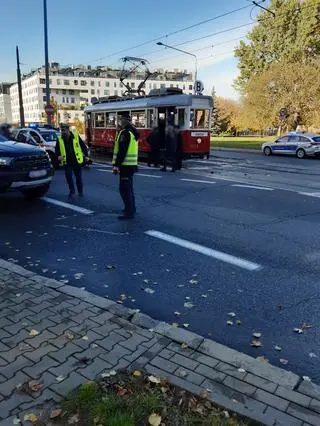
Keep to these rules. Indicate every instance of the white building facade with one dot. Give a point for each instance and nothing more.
(71, 88)
(5, 103)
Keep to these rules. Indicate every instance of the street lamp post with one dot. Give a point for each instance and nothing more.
(46, 55)
(159, 43)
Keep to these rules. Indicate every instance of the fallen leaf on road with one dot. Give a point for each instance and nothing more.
(312, 355)
(231, 314)
(262, 359)
(69, 335)
(177, 313)
(16, 421)
(257, 335)
(298, 330)
(136, 373)
(183, 373)
(188, 305)
(44, 270)
(278, 348)
(186, 325)
(34, 333)
(241, 370)
(284, 361)
(184, 346)
(121, 391)
(306, 378)
(256, 343)
(55, 413)
(34, 386)
(149, 290)
(31, 418)
(123, 297)
(94, 345)
(140, 273)
(193, 282)
(306, 326)
(229, 322)
(82, 288)
(85, 338)
(110, 267)
(154, 379)
(146, 281)
(175, 324)
(18, 294)
(204, 296)
(167, 270)
(239, 322)
(155, 419)
(73, 419)
(28, 232)
(60, 378)
(78, 275)
(187, 298)
(104, 375)
(113, 373)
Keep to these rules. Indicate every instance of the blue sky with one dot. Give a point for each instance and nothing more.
(89, 32)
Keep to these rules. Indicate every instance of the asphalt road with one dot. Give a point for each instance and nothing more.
(257, 252)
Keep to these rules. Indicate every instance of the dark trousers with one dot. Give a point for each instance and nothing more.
(76, 170)
(127, 194)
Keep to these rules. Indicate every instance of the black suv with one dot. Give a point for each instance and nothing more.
(25, 168)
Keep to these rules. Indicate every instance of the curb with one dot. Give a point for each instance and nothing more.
(245, 150)
(289, 382)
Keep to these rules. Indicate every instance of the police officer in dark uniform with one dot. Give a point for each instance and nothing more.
(125, 163)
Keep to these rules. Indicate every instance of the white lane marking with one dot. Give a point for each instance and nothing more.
(67, 205)
(198, 168)
(219, 255)
(310, 194)
(99, 231)
(197, 181)
(262, 188)
(104, 170)
(152, 176)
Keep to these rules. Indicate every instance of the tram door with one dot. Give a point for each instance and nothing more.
(167, 114)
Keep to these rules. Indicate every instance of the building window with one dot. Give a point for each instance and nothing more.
(116, 93)
(63, 99)
(114, 84)
(154, 85)
(64, 92)
(92, 92)
(71, 92)
(190, 87)
(44, 98)
(162, 86)
(50, 81)
(58, 81)
(107, 92)
(99, 83)
(107, 84)
(98, 92)
(73, 101)
(75, 82)
(42, 81)
(67, 100)
(92, 83)
(133, 85)
(43, 90)
(83, 83)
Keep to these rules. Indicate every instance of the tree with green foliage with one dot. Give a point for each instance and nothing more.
(291, 36)
(215, 125)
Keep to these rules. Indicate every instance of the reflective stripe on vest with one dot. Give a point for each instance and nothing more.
(131, 158)
(76, 147)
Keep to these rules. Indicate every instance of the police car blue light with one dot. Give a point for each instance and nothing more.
(294, 143)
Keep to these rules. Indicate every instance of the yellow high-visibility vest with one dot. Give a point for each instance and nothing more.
(131, 158)
(77, 149)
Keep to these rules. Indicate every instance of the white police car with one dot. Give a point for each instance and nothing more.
(294, 143)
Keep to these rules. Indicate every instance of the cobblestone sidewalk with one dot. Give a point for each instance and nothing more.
(62, 336)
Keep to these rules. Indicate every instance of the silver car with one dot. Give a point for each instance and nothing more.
(299, 144)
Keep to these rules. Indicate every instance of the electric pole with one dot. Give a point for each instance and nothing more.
(21, 109)
(46, 55)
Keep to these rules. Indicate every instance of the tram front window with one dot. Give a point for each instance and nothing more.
(199, 119)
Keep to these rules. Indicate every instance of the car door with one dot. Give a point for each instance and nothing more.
(279, 146)
(292, 145)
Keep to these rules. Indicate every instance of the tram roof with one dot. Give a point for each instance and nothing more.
(152, 102)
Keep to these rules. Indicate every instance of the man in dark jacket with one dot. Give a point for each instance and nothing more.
(71, 152)
(125, 163)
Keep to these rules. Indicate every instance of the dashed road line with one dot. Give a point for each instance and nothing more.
(197, 181)
(219, 255)
(67, 205)
(262, 188)
(310, 194)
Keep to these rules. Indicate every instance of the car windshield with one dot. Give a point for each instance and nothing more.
(50, 136)
(3, 139)
(316, 139)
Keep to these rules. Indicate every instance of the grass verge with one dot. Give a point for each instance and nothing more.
(239, 143)
(140, 400)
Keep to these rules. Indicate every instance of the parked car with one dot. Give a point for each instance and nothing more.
(24, 168)
(295, 143)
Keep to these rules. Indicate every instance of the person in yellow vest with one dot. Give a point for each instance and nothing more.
(125, 163)
(72, 153)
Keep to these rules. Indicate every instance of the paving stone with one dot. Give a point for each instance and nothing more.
(134, 342)
(315, 405)
(7, 387)
(43, 298)
(185, 362)
(139, 363)
(260, 383)
(16, 269)
(62, 354)
(272, 400)
(109, 342)
(43, 337)
(164, 364)
(90, 352)
(239, 386)
(81, 307)
(38, 308)
(304, 414)
(144, 321)
(93, 370)
(69, 384)
(45, 314)
(24, 296)
(203, 359)
(137, 354)
(115, 355)
(40, 367)
(105, 329)
(239, 360)
(5, 335)
(64, 369)
(167, 354)
(62, 327)
(103, 318)
(120, 310)
(82, 316)
(189, 376)
(210, 373)
(230, 370)
(8, 405)
(281, 419)
(310, 389)
(100, 302)
(10, 369)
(179, 335)
(181, 350)
(48, 282)
(11, 354)
(156, 340)
(293, 396)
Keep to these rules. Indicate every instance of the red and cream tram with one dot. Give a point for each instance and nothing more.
(192, 113)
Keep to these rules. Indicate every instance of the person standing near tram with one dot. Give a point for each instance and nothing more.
(125, 163)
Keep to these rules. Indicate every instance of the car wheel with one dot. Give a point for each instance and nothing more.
(267, 151)
(54, 160)
(300, 153)
(34, 193)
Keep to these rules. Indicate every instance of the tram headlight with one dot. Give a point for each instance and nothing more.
(199, 140)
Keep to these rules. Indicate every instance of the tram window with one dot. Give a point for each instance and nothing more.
(99, 119)
(111, 119)
(181, 117)
(199, 119)
(151, 119)
(139, 118)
